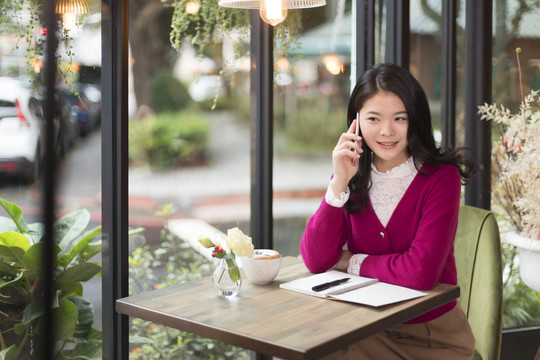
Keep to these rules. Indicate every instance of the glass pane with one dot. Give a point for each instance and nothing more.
(78, 172)
(425, 55)
(516, 56)
(189, 151)
(310, 106)
(515, 73)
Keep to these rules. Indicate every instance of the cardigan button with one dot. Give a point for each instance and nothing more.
(382, 234)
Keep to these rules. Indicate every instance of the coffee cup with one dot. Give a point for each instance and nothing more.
(263, 267)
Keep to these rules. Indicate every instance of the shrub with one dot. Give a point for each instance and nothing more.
(168, 93)
(315, 127)
(170, 139)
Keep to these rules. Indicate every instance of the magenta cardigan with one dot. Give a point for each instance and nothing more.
(416, 249)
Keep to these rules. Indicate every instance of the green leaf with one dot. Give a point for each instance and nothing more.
(66, 316)
(36, 231)
(135, 231)
(5, 269)
(75, 289)
(79, 247)
(12, 238)
(9, 353)
(32, 258)
(88, 350)
(91, 250)
(86, 316)
(77, 273)
(33, 311)
(136, 339)
(17, 278)
(68, 227)
(16, 214)
(12, 254)
(95, 334)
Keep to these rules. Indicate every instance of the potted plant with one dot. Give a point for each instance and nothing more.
(21, 309)
(516, 169)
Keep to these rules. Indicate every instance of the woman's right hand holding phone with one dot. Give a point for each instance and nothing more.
(345, 158)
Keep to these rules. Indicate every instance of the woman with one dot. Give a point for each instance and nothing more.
(394, 201)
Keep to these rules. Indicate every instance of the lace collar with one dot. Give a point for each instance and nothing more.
(402, 170)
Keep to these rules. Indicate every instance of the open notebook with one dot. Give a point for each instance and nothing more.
(358, 289)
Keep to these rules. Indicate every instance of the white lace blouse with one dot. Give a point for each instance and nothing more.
(387, 189)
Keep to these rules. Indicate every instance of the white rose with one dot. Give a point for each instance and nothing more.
(243, 248)
(239, 243)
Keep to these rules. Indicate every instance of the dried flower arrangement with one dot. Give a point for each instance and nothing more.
(516, 163)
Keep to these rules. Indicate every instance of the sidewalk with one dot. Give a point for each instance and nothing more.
(220, 191)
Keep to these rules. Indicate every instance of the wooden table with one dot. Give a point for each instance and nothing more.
(273, 321)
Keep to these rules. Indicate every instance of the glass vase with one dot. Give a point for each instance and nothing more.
(226, 278)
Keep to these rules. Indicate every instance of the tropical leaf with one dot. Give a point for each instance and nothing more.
(70, 226)
(86, 316)
(16, 214)
(79, 247)
(77, 273)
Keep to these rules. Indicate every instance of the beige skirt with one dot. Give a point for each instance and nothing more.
(447, 337)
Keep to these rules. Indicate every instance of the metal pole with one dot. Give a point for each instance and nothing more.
(448, 55)
(262, 71)
(114, 125)
(365, 36)
(47, 338)
(478, 91)
(262, 75)
(397, 32)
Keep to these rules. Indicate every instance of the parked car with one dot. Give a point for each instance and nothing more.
(21, 129)
(89, 105)
(66, 120)
(85, 108)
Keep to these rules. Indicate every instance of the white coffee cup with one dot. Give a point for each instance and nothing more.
(263, 267)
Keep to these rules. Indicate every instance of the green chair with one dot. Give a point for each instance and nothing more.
(477, 250)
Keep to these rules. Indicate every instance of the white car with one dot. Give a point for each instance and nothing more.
(21, 129)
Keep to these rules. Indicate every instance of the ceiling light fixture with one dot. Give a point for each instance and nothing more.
(272, 12)
(70, 9)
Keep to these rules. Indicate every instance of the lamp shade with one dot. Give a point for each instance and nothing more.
(72, 7)
(256, 4)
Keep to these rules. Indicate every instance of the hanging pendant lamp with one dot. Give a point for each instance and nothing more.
(272, 12)
(70, 9)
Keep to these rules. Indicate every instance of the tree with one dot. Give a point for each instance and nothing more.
(149, 26)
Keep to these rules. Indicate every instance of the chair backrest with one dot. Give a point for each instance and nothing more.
(477, 249)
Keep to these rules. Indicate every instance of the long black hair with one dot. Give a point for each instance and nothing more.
(421, 143)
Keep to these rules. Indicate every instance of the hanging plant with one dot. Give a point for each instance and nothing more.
(24, 18)
(210, 23)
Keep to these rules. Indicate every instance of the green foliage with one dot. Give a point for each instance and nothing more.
(24, 18)
(316, 127)
(173, 262)
(521, 305)
(20, 293)
(168, 93)
(211, 22)
(169, 139)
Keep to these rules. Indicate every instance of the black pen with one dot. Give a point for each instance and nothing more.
(330, 284)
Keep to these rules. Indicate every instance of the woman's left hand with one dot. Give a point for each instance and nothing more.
(343, 262)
